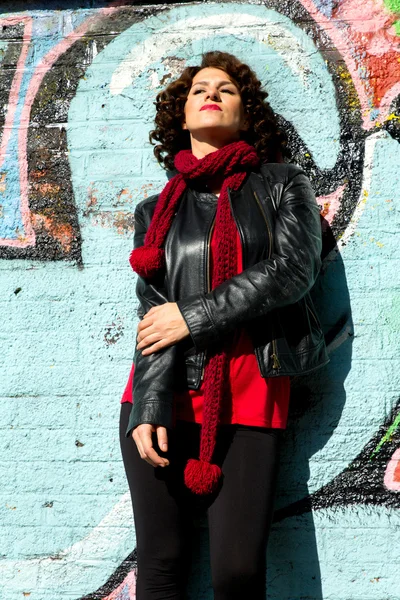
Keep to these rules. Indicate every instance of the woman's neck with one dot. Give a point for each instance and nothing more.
(202, 147)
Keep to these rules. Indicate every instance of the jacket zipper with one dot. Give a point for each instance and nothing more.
(266, 222)
(208, 284)
(239, 230)
(275, 360)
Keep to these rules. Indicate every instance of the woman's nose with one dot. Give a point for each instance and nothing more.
(213, 94)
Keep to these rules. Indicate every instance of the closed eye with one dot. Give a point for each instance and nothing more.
(200, 90)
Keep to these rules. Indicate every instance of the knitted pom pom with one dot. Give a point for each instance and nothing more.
(201, 477)
(147, 260)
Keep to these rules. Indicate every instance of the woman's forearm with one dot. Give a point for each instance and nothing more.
(277, 281)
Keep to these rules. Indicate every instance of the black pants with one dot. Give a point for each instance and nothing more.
(239, 515)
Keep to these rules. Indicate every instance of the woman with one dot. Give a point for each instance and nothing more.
(225, 256)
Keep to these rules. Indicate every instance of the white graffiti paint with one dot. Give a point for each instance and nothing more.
(69, 569)
(167, 39)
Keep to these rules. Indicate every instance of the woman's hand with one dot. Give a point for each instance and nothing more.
(143, 440)
(161, 326)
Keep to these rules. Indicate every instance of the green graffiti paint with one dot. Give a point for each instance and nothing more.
(392, 5)
(387, 435)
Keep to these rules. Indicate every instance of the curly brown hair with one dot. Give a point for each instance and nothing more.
(264, 132)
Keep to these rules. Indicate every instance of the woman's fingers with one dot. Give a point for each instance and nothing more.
(151, 342)
(142, 435)
(155, 347)
(149, 339)
(162, 438)
(146, 333)
(161, 326)
(143, 328)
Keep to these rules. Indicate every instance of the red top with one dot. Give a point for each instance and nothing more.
(255, 400)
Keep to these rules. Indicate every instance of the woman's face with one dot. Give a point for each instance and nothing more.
(224, 121)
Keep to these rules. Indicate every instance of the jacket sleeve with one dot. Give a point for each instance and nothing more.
(277, 281)
(154, 373)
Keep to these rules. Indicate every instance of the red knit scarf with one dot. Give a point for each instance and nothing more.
(233, 161)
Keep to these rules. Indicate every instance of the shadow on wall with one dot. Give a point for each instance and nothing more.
(293, 553)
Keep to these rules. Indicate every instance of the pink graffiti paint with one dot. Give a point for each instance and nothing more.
(392, 473)
(372, 32)
(29, 236)
(126, 590)
(330, 203)
(41, 69)
(364, 28)
(16, 83)
(341, 41)
(364, 15)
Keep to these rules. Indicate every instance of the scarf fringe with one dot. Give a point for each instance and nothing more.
(202, 477)
(147, 260)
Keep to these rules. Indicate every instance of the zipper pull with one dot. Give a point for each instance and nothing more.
(204, 367)
(276, 364)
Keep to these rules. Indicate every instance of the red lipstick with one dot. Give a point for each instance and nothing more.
(210, 107)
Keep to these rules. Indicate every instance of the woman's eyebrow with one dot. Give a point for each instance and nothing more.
(206, 82)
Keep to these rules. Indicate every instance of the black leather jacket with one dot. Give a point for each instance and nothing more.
(280, 231)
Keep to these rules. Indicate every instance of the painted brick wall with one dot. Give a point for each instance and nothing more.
(77, 86)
